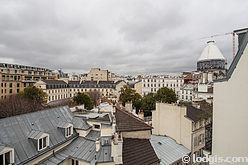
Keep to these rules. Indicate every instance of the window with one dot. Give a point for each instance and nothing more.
(96, 126)
(6, 158)
(195, 141)
(10, 85)
(42, 143)
(74, 162)
(68, 131)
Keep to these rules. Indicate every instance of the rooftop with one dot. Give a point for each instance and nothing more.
(138, 152)
(126, 121)
(167, 149)
(211, 52)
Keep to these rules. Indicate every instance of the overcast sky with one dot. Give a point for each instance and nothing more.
(124, 36)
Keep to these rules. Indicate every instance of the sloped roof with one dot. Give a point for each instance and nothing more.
(80, 123)
(243, 41)
(126, 121)
(34, 134)
(138, 152)
(194, 113)
(93, 135)
(211, 52)
(54, 82)
(15, 131)
(81, 149)
(167, 149)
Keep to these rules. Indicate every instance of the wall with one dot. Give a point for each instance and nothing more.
(230, 112)
(106, 131)
(169, 120)
(146, 134)
(138, 87)
(83, 133)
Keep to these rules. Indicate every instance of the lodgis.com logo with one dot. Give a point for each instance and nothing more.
(214, 159)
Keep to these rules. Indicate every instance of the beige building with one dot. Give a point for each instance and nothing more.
(182, 123)
(230, 106)
(96, 74)
(62, 89)
(14, 78)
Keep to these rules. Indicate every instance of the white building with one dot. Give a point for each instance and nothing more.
(152, 84)
(230, 111)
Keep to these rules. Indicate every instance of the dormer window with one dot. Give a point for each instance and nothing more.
(43, 143)
(67, 128)
(7, 156)
(40, 139)
(68, 131)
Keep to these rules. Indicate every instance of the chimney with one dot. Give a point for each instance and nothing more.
(141, 114)
(97, 144)
(116, 151)
(129, 106)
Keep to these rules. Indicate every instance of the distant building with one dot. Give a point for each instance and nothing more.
(59, 89)
(14, 78)
(96, 74)
(230, 105)
(152, 84)
(211, 63)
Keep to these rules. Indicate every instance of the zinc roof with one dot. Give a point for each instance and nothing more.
(167, 149)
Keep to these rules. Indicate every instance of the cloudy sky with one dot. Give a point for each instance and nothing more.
(124, 36)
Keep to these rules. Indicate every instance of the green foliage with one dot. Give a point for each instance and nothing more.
(83, 98)
(137, 101)
(148, 104)
(165, 95)
(128, 94)
(35, 94)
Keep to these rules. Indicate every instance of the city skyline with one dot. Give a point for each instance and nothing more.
(124, 37)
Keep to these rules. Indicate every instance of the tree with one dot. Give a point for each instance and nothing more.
(95, 96)
(83, 98)
(35, 94)
(148, 104)
(137, 101)
(18, 104)
(166, 95)
(128, 94)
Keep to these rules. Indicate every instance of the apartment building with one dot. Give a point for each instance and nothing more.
(184, 124)
(96, 74)
(14, 78)
(230, 106)
(151, 84)
(61, 89)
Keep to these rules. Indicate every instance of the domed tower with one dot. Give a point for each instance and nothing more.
(211, 58)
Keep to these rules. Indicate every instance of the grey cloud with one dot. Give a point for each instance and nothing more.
(126, 37)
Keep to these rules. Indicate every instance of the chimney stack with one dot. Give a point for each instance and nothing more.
(97, 144)
(129, 106)
(141, 114)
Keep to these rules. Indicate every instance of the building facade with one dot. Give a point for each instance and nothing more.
(60, 89)
(230, 106)
(96, 74)
(152, 84)
(14, 78)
